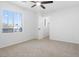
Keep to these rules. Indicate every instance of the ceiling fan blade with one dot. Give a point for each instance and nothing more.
(33, 1)
(46, 2)
(24, 1)
(33, 5)
(42, 6)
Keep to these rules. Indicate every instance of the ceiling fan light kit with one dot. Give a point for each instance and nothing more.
(38, 3)
(41, 3)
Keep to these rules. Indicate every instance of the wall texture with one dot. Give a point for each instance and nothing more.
(64, 25)
(29, 21)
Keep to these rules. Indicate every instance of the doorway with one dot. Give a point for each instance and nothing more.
(43, 29)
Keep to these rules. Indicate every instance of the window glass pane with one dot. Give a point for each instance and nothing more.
(17, 22)
(5, 18)
(7, 21)
(20, 22)
(10, 20)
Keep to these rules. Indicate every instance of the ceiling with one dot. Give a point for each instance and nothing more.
(56, 5)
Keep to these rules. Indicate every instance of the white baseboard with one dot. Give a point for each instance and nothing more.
(14, 43)
(68, 41)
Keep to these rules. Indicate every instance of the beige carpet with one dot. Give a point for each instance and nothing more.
(43, 48)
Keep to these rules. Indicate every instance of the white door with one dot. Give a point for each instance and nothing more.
(43, 29)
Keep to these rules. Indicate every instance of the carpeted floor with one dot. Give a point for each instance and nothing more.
(41, 48)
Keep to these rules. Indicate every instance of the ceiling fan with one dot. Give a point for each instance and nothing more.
(40, 3)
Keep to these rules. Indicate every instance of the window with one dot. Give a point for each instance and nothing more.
(12, 22)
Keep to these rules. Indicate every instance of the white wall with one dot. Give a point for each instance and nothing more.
(29, 21)
(64, 25)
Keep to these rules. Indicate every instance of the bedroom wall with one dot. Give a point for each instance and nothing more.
(29, 21)
(64, 24)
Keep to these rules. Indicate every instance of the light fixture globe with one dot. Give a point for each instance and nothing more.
(38, 3)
